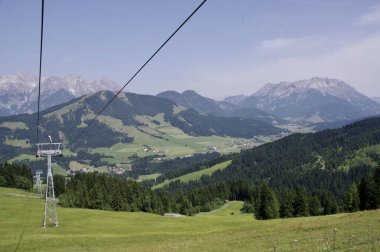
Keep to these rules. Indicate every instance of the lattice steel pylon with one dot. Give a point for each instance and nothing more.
(50, 211)
(38, 182)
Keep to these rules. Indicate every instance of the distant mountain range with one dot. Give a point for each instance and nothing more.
(236, 99)
(316, 100)
(191, 99)
(207, 106)
(19, 92)
(313, 101)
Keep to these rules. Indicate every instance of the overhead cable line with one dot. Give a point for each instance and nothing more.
(39, 75)
(138, 71)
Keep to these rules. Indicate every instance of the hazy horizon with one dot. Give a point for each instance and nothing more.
(220, 98)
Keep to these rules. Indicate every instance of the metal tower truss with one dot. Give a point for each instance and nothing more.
(39, 182)
(50, 212)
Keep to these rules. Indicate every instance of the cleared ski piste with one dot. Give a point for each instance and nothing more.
(225, 229)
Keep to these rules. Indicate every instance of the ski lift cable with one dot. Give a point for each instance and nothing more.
(39, 75)
(138, 71)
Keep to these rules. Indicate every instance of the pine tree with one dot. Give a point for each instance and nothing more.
(95, 197)
(83, 199)
(301, 203)
(186, 207)
(314, 206)
(286, 205)
(268, 204)
(367, 193)
(3, 182)
(328, 203)
(59, 184)
(352, 200)
(376, 178)
(247, 208)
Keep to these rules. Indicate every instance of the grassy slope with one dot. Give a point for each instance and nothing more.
(14, 125)
(92, 230)
(362, 157)
(148, 177)
(17, 143)
(163, 137)
(59, 170)
(22, 157)
(196, 175)
(230, 208)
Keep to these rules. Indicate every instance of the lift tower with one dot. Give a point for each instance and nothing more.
(38, 182)
(50, 212)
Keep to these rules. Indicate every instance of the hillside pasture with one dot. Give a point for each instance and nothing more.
(195, 175)
(14, 125)
(222, 230)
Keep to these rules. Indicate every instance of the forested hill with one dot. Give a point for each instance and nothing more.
(66, 121)
(328, 160)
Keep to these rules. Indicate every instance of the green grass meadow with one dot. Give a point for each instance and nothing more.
(195, 175)
(148, 177)
(163, 138)
(14, 125)
(224, 229)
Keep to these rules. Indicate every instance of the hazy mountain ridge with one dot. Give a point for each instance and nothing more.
(207, 106)
(19, 92)
(314, 100)
(191, 99)
(376, 99)
(317, 100)
(236, 99)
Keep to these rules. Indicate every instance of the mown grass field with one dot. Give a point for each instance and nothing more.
(195, 175)
(148, 177)
(220, 230)
(14, 125)
(59, 170)
(22, 157)
(17, 143)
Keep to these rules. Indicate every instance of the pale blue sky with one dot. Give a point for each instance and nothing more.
(229, 47)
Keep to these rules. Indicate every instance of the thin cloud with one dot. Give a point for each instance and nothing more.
(278, 43)
(355, 63)
(282, 43)
(372, 17)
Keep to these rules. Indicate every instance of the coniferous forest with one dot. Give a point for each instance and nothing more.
(300, 175)
(105, 192)
(16, 176)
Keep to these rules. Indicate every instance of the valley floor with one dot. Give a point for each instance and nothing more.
(224, 229)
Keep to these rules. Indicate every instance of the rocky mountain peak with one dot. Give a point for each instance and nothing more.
(313, 100)
(325, 86)
(19, 92)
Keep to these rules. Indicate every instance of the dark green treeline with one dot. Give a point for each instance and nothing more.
(16, 176)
